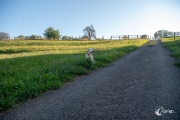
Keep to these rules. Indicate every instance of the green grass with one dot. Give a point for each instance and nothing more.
(29, 68)
(173, 46)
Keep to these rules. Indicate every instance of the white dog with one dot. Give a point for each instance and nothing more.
(89, 54)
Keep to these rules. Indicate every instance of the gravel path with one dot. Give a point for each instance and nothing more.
(129, 89)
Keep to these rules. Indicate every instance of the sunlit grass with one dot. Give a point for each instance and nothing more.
(173, 46)
(29, 68)
(11, 49)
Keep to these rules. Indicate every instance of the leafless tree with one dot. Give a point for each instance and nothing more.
(4, 36)
(90, 32)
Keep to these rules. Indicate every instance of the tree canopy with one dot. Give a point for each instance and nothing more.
(144, 36)
(67, 38)
(50, 33)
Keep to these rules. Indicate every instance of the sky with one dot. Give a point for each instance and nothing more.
(70, 17)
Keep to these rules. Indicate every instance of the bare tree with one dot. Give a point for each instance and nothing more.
(90, 32)
(4, 36)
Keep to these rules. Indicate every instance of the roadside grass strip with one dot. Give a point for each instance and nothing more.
(29, 68)
(173, 46)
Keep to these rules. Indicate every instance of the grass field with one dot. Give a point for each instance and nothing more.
(173, 46)
(29, 68)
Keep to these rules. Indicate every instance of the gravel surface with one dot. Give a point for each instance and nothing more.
(129, 89)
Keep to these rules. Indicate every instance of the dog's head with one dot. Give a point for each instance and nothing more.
(89, 50)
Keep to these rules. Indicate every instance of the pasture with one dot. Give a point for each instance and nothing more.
(29, 68)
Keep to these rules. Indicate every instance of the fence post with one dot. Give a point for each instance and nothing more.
(111, 37)
(174, 36)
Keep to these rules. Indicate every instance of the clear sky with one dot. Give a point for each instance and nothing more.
(109, 17)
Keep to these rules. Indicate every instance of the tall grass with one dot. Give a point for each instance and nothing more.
(173, 46)
(28, 68)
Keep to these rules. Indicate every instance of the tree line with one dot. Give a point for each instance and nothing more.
(165, 33)
(89, 33)
(31, 37)
(51, 33)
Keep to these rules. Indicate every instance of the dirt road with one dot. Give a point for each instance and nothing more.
(131, 88)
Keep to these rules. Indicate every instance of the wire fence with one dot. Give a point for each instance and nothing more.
(127, 37)
(112, 37)
(175, 36)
